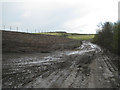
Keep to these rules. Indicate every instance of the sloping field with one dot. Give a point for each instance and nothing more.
(81, 37)
(74, 36)
(26, 42)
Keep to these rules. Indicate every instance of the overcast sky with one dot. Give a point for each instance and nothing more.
(74, 16)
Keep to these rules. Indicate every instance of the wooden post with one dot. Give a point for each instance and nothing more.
(27, 30)
(4, 27)
(10, 28)
(17, 29)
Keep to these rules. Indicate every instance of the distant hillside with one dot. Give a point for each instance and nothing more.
(74, 36)
(26, 42)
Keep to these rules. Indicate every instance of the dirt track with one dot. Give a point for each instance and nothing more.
(86, 67)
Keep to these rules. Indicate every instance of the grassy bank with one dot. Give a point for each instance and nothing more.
(74, 36)
(81, 37)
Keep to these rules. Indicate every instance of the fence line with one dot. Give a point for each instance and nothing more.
(23, 30)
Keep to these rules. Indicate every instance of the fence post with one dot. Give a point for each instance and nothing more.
(4, 27)
(17, 29)
(27, 30)
(10, 28)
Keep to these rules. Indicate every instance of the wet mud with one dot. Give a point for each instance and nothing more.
(85, 67)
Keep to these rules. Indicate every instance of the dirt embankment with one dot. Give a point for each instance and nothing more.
(26, 42)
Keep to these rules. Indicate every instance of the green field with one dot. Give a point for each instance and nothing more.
(50, 33)
(72, 35)
(81, 37)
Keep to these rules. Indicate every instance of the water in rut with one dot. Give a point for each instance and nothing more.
(85, 67)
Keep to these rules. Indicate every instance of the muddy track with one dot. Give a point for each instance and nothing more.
(86, 67)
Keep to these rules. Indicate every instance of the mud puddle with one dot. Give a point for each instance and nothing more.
(59, 69)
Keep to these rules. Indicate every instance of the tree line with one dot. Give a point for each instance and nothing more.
(108, 36)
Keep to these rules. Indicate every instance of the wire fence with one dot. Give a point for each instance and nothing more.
(27, 30)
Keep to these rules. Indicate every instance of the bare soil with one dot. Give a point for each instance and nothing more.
(17, 42)
(85, 67)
